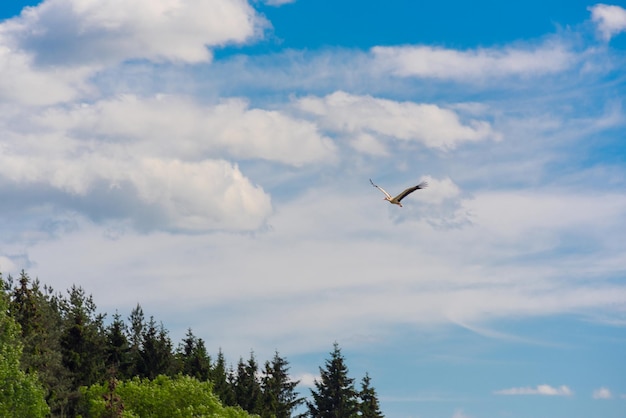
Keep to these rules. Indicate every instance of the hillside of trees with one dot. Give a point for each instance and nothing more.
(60, 358)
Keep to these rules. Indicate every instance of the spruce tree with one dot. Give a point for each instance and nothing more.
(335, 396)
(221, 381)
(21, 394)
(156, 351)
(193, 358)
(118, 357)
(247, 385)
(39, 316)
(135, 330)
(82, 342)
(279, 395)
(369, 406)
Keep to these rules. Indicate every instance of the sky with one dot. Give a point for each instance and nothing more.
(210, 160)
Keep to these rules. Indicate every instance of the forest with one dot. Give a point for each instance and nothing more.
(60, 357)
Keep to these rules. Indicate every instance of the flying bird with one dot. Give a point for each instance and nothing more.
(396, 200)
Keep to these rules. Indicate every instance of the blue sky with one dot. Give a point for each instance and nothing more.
(210, 159)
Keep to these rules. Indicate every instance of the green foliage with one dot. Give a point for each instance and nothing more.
(57, 358)
(21, 395)
(335, 395)
(162, 397)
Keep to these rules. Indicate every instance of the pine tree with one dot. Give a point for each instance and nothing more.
(247, 385)
(279, 395)
(335, 396)
(369, 406)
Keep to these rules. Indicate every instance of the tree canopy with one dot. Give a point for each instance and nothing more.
(60, 358)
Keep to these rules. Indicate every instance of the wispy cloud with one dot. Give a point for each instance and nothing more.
(602, 393)
(610, 20)
(460, 414)
(544, 390)
(479, 64)
(278, 2)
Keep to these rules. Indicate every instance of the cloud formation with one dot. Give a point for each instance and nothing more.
(602, 393)
(470, 65)
(544, 390)
(365, 116)
(74, 32)
(610, 20)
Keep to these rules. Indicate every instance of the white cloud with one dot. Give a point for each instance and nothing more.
(602, 393)
(478, 64)
(77, 32)
(610, 20)
(50, 51)
(429, 124)
(545, 390)
(6, 264)
(307, 379)
(153, 193)
(21, 83)
(460, 414)
(169, 125)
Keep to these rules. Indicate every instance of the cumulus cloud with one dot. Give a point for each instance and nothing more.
(429, 124)
(610, 20)
(49, 52)
(23, 84)
(153, 193)
(484, 63)
(169, 125)
(545, 390)
(602, 393)
(76, 32)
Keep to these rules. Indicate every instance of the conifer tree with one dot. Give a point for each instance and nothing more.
(21, 394)
(279, 395)
(156, 351)
(221, 381)
(82, 342)
(193, 358)
(369, 406)
(118, 357)
(135, 335)
(38, 314)
(335, 396)
(247, 385)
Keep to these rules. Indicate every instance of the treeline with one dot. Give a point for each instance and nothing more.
(80, 366)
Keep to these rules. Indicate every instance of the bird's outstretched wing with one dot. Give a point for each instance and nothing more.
(381, 189)
(409, 191)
